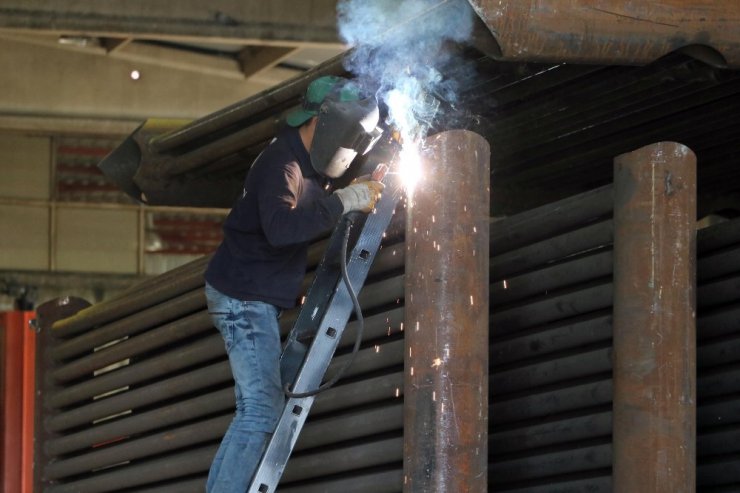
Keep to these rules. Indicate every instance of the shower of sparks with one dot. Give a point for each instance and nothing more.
(437, 363)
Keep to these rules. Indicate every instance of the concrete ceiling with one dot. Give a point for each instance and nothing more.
(102, 67)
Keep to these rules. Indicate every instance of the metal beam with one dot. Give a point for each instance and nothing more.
(446, 357)
(309, 21)
(612, 31)
(654, 319)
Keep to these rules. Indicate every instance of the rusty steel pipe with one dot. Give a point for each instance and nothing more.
(611, 31)
(654, 319)
(446, 357)
(187, 279)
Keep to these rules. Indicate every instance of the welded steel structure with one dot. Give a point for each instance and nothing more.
(551, 373)
(153, 423)
(571, 71)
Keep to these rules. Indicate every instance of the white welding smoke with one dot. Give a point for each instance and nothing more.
(398, 48)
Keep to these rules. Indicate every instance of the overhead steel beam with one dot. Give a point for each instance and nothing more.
(612, 31)
(305, 22)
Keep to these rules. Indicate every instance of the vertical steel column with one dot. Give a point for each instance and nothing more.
(654, 320)
(446, 319)
(17, 347)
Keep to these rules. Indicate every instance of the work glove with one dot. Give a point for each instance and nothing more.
(360, 196)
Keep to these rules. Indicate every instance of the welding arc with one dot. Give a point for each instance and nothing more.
(349, 222)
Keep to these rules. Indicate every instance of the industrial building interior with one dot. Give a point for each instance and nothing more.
(126, 130)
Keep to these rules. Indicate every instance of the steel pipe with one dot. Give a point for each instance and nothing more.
(138, 448)
(551, 309)
(114, 309)
(551, 277)
(131, 325)
(581, 365)
(530, 256)
(654, 319)
(167, 334)
(169, 467)
(373, 482)
(142, 422)
(568, 335)
(370, 453)
(611, 32)
(551, 220)
(556, 463)
(143, 396)
(194, 353)
(446, 311)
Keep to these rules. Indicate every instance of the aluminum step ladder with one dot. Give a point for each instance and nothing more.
(318, 329)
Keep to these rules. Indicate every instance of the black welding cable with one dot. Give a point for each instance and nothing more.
(349, 222)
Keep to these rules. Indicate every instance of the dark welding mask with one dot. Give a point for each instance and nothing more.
(344, 130)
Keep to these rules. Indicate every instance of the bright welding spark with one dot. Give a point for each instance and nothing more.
(411, 169)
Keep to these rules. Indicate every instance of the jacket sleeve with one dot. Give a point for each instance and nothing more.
(286, 216)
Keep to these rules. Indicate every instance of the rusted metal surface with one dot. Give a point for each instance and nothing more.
(17, 348)
(446, 357)
(654, 319)
(610, 31)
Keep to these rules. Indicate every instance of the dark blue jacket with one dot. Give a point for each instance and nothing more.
(285, 204)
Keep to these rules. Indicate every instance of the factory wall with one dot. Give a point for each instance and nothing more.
(65, 230)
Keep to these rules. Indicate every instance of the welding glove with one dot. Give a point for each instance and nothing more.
(360, 196)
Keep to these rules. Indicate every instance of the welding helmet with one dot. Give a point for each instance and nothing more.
(344, 130)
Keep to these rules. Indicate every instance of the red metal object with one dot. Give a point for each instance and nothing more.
(654, 319)
(610, 31)
(446, 318)
(18, 383)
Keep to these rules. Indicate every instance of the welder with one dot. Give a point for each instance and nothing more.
(256, 272)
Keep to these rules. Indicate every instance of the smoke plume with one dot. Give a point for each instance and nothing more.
(398, 48)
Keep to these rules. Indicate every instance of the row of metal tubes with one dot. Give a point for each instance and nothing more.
(613, 111)
(639, 94)
(617, 143)
(388, 259)
(593, 457)
(182, 304)
(350, 426)
(711, 100)
(378, 323)
(506, 235)
(376, 327)
(555, 371)
(142, 296)
(526, 170)
(613, 79)
(191, 278)
(503, 381)
(595, 265)
(369, 360)
(549, 309)
(388, 481)
(709, 418)
(383, 451)
(712, 440)
(380, 293)
(517, 287)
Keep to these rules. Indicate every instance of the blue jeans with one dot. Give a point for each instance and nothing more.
(252, 337)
